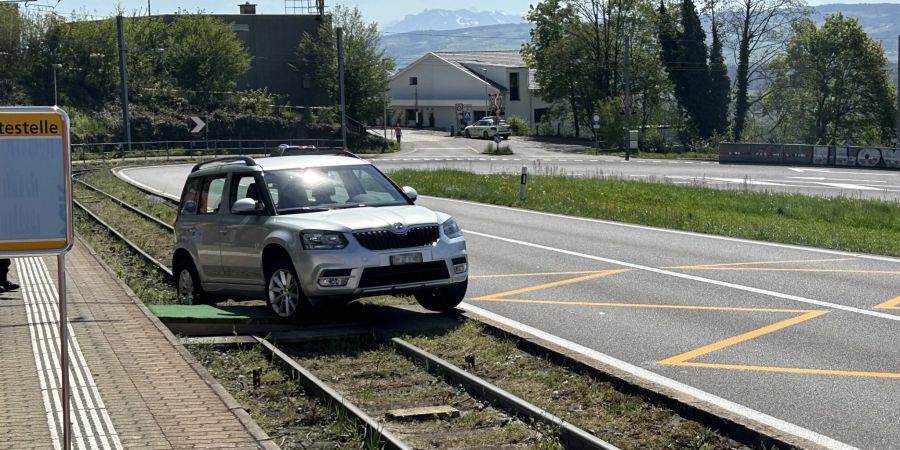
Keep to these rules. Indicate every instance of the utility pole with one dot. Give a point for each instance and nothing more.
(897, 144)
(54, 67)
(123, 75)
(340, 50)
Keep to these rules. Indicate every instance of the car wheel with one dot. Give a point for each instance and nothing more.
(506, 138)
(283, 293)
(188, 289)
(443, 299)
(468, 135)
(484, 135)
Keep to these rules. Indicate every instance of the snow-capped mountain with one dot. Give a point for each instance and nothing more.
(444, 19)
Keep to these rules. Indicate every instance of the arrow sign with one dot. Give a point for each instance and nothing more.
(199, 124)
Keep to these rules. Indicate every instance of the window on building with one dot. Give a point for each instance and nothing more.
(306, 81)
(413, 81)
(514, 86)
(539, 114)
(411, 115)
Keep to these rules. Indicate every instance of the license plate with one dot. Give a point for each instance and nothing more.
(406, 258)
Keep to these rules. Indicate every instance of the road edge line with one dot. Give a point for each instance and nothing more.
(741, 421)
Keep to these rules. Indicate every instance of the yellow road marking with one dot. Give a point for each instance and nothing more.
(553, 284)
(541, 274)
(797, 370)
(766, 269)
(759, 263)
(890, 304)
(644, 305)
(678, 359)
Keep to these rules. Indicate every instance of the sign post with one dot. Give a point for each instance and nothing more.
(36, 188)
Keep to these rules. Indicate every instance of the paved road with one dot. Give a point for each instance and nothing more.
(423, 149)
(806, 335)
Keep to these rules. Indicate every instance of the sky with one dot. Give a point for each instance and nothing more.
(384, 12)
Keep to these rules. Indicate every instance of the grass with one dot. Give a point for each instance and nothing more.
(869, 226)
(279, 404)
(492, 149)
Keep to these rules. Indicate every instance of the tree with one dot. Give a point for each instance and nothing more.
(692, 86)
(204, 56)
(557, 54)
(832, 85)
(366, 69)
(756, 30)
(719, 86)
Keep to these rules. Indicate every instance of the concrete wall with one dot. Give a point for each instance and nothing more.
(811, 155)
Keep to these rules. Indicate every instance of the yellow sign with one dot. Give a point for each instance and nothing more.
(35, 181)
(34, 124)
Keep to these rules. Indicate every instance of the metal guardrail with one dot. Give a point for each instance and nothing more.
(190, 149)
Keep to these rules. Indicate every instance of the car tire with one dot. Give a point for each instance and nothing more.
(468, 135)
(443, 299)
(188, 289)
(484, 135)
(284, 296)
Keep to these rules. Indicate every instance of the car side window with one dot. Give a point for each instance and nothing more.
(244, 186)
(211, 195)
(190, 197)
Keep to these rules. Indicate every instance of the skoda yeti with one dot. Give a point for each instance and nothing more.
(304, 230)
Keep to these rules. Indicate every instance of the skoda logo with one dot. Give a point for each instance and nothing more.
(398, 226)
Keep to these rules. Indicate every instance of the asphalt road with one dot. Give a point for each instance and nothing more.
(426, 149)
(806, 335)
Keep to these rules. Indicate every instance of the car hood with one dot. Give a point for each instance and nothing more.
(360, 219)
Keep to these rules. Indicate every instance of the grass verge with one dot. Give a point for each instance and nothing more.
(869, 226)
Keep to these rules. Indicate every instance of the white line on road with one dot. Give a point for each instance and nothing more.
(665, 230)
(669, 383)
(685, 276)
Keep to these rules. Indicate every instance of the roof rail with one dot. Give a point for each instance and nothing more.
(225, 159)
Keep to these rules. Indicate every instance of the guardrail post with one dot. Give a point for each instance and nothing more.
(523, 181)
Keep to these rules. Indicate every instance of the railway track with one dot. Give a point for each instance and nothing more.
(382, 379)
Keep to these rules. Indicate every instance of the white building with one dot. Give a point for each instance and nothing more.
(436, 83)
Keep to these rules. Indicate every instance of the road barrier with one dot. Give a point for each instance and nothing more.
(810, 155)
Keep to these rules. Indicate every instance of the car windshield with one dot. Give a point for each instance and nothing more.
(324, 188)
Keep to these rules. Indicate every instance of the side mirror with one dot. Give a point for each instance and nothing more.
(246, 206)
(411, 193)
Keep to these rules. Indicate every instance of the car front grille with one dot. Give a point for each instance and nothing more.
(386, 239)
(405, 274)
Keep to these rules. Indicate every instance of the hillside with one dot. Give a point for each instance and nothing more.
(437, 33)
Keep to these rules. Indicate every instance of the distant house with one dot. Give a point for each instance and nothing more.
(427, 92)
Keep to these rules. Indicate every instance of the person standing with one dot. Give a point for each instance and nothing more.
(398, 132)
(5, 284)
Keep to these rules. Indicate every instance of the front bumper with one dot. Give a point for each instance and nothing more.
(369, 272)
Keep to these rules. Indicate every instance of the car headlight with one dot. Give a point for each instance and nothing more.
(451, 228)
(323, 240)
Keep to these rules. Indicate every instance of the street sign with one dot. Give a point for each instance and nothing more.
(467, 117)
(459, 107)
(198, 124)
(498, 139)
(596, 118)
(35, 181)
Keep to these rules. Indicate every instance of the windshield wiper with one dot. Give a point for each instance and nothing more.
(302, 209)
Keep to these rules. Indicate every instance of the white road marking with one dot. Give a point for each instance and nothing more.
(859, 173)
(685, 276)
(850, 186)
(836, 179)
(679, 232)
(40, 296)
(735, 408)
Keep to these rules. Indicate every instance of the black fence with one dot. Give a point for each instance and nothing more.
(190, 149)
(810, 155)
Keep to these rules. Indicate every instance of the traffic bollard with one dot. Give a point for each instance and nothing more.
(522, 183)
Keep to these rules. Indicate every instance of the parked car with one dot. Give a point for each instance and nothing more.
(487, 128)
(305, 230)
(293, 150)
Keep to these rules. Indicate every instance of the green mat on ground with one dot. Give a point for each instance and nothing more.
(210, 312)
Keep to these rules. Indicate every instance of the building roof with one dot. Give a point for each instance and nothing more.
(511, 59)
(502, 58)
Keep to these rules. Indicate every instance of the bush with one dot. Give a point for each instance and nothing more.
(518, 126)
(491, 149)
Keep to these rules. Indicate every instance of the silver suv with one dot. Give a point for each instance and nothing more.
(302, 230)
